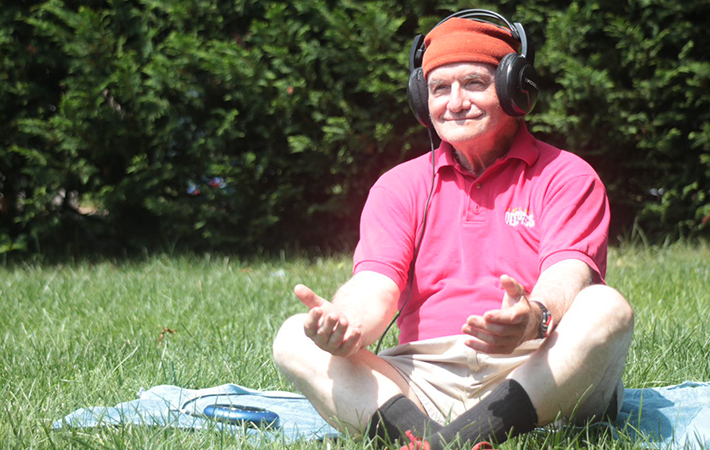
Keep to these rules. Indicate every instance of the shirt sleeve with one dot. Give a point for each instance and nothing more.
(386, 230)
(576, 224)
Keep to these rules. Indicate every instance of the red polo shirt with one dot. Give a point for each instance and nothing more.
(535, 206)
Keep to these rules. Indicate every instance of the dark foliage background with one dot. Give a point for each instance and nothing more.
(259, 125)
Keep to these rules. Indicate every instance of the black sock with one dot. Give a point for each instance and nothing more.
(398, 415)
(504, 413)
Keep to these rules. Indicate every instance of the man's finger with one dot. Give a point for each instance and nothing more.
(312, 322)
(491, 349)
(476, 322)
(494, 333)
(507, 316)
(308, 297)
(350, 343)
(328, 325)
(338, 334)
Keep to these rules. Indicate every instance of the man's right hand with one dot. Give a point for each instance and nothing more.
(328, 326)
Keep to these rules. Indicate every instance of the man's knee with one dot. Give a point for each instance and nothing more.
(288, 343)
(605, 309)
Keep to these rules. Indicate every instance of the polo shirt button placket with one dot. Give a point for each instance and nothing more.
(477, 210)
(474, 208)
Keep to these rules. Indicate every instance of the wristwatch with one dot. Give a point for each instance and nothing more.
(546, 323)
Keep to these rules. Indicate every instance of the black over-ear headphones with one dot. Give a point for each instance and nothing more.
(515, 78)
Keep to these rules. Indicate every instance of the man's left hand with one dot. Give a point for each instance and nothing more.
(500, 331)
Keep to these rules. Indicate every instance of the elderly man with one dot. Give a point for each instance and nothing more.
(505, 321)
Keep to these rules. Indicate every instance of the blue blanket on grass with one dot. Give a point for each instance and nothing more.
(667, 417)
(172, 406)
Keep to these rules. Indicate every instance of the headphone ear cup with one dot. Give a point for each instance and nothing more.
(418, 94)
(516, 85)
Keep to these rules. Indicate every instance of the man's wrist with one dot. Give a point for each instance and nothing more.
(546, 322)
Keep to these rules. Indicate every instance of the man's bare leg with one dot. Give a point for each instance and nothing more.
(582, 359)
(345, 391)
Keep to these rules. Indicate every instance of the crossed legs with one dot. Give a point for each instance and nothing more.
(572, 375)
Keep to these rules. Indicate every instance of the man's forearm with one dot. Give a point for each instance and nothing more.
(369, 300)
(559, 284)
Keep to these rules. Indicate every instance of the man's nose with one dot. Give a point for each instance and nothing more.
(458, 100)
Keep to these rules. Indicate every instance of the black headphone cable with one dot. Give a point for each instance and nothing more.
(416, 247)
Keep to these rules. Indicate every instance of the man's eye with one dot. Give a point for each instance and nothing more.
(477, 84)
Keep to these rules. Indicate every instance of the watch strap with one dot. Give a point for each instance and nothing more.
(546, 321)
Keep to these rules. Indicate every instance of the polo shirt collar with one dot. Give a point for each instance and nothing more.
(524, 148)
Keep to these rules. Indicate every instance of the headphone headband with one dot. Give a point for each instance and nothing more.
(474, 13)
(516, 80)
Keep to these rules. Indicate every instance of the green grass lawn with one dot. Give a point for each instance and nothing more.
(79, 334)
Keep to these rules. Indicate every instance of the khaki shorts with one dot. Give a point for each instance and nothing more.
(449, 378)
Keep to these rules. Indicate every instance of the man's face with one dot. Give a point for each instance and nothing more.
(463, 103)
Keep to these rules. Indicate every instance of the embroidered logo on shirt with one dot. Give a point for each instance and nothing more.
(519, 216)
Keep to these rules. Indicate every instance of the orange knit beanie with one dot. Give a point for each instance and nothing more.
(465, 40)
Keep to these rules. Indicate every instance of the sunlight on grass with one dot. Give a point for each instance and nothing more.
(80, 334)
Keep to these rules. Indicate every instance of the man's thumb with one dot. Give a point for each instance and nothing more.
(514, 291)
(308, 297)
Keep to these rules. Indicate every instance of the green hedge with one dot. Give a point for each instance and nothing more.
(252, 125)
(631, 94)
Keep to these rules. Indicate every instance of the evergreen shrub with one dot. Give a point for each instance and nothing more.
(252, 125)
